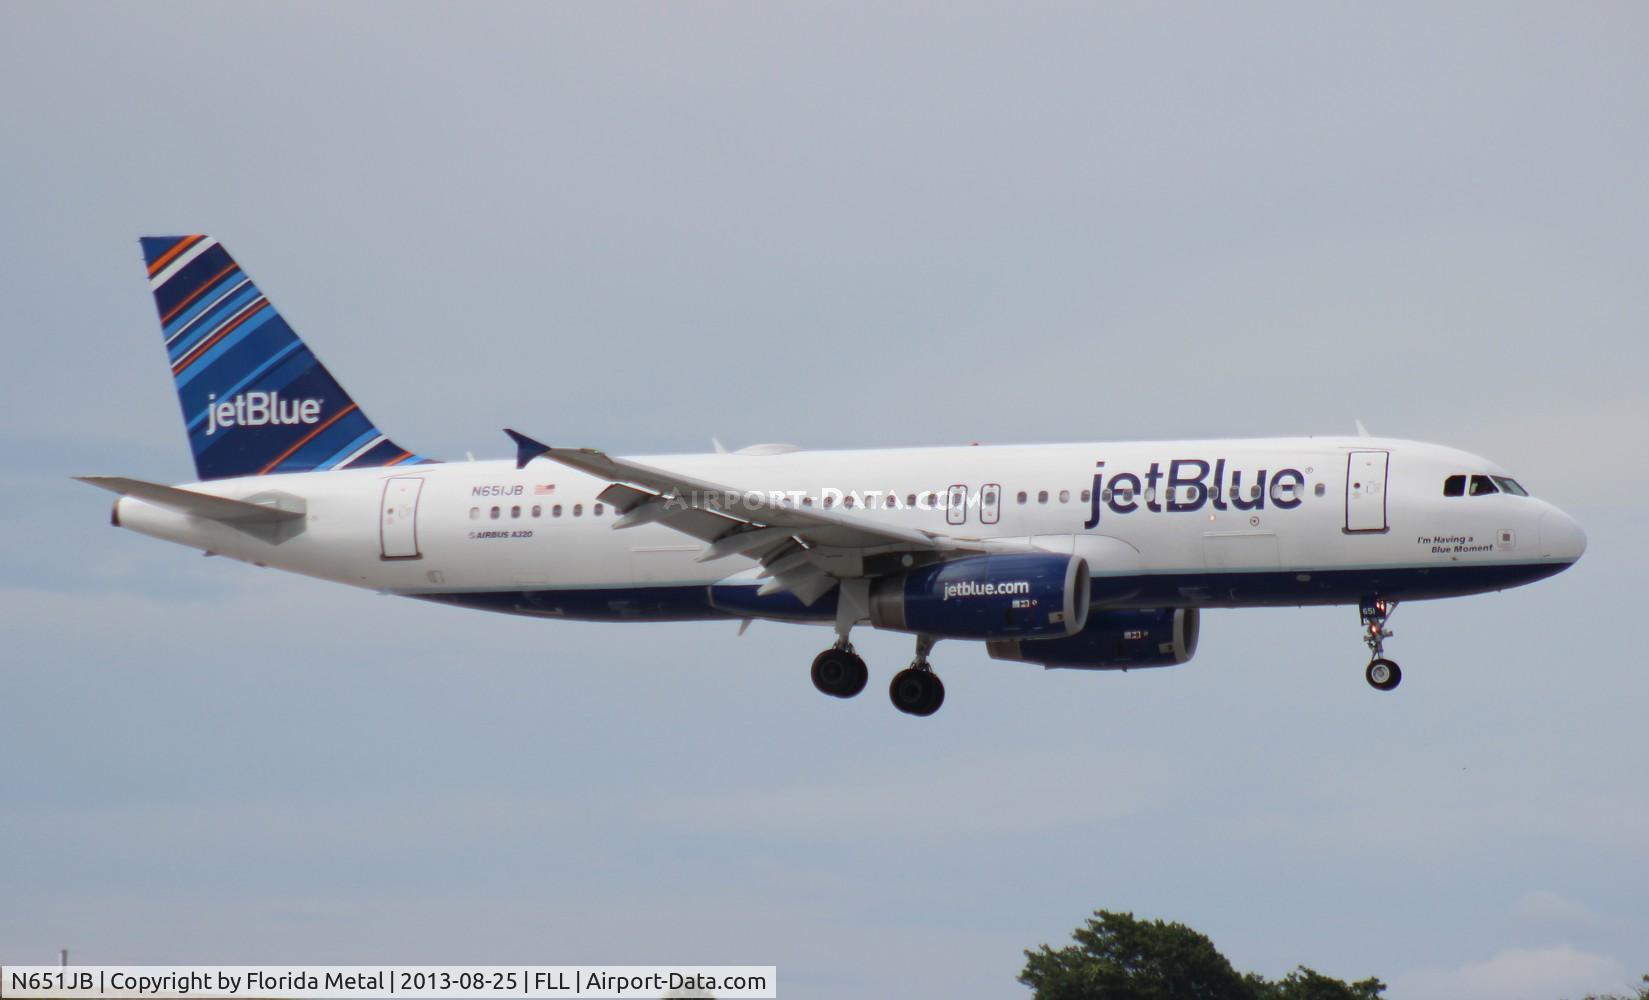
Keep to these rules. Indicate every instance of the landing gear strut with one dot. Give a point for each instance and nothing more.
(917, 690)
(1382, 674)
(839, 671)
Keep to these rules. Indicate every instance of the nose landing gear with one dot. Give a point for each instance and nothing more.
(1382, 674)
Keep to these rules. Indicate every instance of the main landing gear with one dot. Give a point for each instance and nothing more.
(916, 690)
(839, 671)
(1382, 674)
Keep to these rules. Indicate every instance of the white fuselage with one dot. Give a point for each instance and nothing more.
(1332, 521)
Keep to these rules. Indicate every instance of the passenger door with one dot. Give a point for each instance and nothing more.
(398, 522)
(1366, 490)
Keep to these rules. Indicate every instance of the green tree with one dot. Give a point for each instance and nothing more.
(1309, 984)
(1115, 956)
(1641, 993)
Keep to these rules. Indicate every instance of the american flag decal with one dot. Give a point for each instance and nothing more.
(543, 489)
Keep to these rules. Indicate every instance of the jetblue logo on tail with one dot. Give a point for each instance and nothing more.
(259, 409)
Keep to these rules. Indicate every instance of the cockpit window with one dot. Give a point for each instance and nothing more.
(1482, 486)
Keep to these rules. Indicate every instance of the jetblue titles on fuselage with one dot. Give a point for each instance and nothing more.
(1189, 489)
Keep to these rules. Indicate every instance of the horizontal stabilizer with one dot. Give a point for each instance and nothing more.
(236, 512)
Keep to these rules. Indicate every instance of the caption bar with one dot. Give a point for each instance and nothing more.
(370, 982)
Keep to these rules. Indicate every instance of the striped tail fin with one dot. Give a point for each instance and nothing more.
(255, 400)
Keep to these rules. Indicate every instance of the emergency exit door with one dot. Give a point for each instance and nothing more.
(1366, 490)
(398, 526)
(990, 503)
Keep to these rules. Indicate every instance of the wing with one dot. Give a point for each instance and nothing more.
(802, 549)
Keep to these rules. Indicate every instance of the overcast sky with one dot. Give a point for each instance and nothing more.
(636, 227)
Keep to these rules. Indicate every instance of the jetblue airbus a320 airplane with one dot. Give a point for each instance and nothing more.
(1090, 556)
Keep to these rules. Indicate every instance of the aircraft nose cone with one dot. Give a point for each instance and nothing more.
(1560, 537)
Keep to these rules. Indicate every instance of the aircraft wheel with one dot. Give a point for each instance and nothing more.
(1383, 675)
(840, 673)
(858, 675)
(917, 692)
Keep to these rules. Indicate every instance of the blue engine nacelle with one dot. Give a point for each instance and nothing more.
(986, 597)
(1113, 640)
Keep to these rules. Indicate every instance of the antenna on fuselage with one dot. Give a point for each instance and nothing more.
(1362, 431)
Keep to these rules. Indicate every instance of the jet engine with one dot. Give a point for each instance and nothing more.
(1033, 594)
(1113, 640)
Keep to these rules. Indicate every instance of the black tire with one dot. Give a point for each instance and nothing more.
(936, 695)
(1383, 675)
(916, 692)
(828, 671)
(839, 673)
(858, 675)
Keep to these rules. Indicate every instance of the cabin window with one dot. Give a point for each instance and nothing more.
(599, 509)
(847, 502)
(1105, 495)
(807, 501)
(1482, 486)
(537, 511)
(475, 513)
(1064, 496)
(1021, 496)
(1087, 495)
(1454, 486)
(1321, 490)
(555, 511)
(515, 511)
(829, 502)
(495, 513)
(1042, 496)
(892, 501)
(1254, 492)
(910, 501)
(1150, 495)
(578, 510)
(1508, 485)
(1236, 492)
